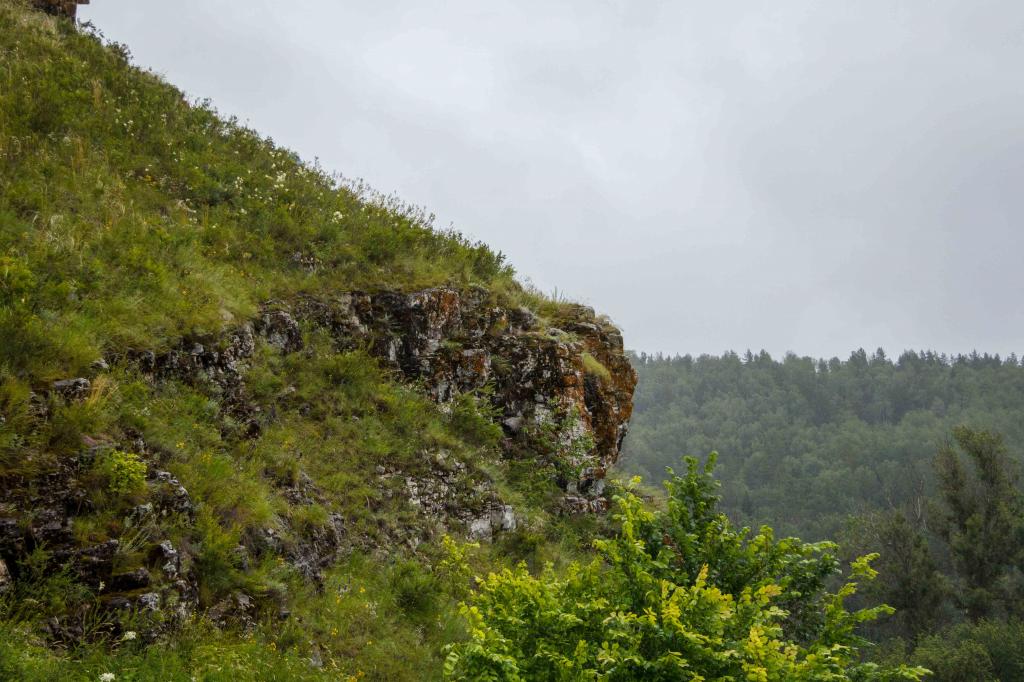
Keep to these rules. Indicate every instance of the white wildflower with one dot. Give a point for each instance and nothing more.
(130, 635)
(107, 677)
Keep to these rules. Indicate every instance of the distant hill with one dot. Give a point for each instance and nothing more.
(804, 443)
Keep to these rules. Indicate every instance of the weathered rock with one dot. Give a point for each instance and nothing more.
(72, 389)
(132, 580)
(451, 342)
(166, 557)
(12, 537)
(139, 513)
(281, 330)
(545, 391)
(150, 601)
(455, 342)
(50, 527)
(500, 518)
(170, 496)
(513, 424)
(94, 564)
(504, 519)
(481, 529)
(238, 610)
(181, 601)
(6, 582)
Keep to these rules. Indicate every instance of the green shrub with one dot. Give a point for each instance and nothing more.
(414, 588)
(123, 473)
(475, 419)
(987, 650)
(676, 594)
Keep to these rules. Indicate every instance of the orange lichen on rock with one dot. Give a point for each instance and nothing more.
(453, 342)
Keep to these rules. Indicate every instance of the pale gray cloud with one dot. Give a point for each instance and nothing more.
(808, 176)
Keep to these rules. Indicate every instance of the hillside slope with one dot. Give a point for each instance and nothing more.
(243, 404)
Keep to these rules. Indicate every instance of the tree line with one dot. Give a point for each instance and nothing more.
(916, 459)
(805, 443)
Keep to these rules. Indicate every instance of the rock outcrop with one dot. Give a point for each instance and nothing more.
(561, 389)
(573, 372)
(569, 376)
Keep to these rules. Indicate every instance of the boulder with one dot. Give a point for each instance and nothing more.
(72, 389)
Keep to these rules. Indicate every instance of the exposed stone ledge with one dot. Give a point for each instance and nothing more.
(453, 342)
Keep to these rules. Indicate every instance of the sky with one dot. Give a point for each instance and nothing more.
(802, 176)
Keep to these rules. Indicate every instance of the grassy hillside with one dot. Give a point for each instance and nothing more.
(130, 216)
(133, 221)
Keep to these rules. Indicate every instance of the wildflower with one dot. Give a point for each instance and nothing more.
(107, 677)
(130, 635)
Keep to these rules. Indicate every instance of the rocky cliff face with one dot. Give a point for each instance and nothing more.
(574, 374)
(561, 390)
(573, 380)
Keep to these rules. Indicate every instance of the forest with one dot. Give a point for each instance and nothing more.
(915, 458)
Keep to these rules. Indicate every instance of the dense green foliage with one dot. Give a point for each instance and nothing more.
(987, 651)
(974, 532)
(675, 594)
(872, 452)
(806, 443)
(982, 522)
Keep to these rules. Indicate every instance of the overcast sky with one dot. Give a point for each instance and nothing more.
(807, 176)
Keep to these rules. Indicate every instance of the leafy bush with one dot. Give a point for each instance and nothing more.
(675, 594)
(475, 419)
(988, 650)
(124, 473)
(414, 588)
